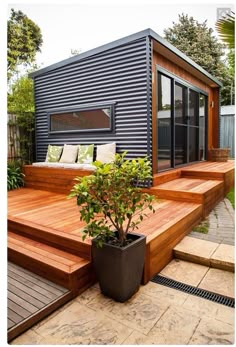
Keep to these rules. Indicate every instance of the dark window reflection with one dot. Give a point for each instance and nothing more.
(180, 144)
(164, 122)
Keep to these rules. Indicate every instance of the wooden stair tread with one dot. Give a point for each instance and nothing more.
(210, 167)
(191, 185)
(52, 256)
(168, 213)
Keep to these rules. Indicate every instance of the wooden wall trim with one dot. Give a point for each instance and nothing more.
(154, 115)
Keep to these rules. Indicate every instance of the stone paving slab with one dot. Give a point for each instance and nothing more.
(166, 316)
(195, 250)
(186, 272)
(213, 332)
(219, 281)
(203, 252)
(223, 258)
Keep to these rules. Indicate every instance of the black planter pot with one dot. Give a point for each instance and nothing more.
(119, 270)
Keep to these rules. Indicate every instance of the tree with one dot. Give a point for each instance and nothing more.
(196, 40)
(21, 98)
(225, 29)
(21, 103)
(24, 41)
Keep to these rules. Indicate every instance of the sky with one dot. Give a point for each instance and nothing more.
(84, 25)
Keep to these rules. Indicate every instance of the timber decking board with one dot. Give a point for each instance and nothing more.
(49, 216)
(211, 167)
(25, 302)
(63, 260)
(198, 186)
(52, 221)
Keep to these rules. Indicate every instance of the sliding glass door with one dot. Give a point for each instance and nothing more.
(181, 119)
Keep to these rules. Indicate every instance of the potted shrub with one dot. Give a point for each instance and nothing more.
(112, 204)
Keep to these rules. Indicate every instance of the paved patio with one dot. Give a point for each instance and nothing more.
(154, 315)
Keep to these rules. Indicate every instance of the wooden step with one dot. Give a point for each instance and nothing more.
(212, 171)
(55, 238)
(49, 218)
(63, 268)
(166, 176)
(166, 228)
(205, 192)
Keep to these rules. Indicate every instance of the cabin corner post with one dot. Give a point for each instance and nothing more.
(154, 113)
(214, 119)
(149, 96)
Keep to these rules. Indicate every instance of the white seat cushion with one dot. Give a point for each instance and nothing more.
(66, 166)
(69, 154)
(106, 153)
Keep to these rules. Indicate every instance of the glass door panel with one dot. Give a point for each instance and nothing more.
(180, 144)
(164, 123)
(180, 151)
(193, 144)
(181, 119)
(179, 104)
(193, 111)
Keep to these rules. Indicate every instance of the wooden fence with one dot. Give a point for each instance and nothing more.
(20, 140)
(227, 127)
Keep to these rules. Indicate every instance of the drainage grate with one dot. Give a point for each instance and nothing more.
(220, 299)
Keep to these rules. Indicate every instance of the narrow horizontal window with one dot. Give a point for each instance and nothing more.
(89, 120)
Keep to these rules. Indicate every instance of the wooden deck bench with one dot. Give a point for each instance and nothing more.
(54, 179)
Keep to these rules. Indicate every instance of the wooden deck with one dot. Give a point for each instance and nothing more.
(30, 298)
(45, 231)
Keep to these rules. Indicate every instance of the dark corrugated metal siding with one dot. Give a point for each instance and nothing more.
(121, 75)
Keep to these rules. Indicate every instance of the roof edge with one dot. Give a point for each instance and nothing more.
(92, 51)
(183, 56)
(122, 41)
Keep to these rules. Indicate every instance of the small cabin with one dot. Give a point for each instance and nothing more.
(139, 92)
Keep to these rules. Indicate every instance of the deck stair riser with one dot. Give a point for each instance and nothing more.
(61, 267)
(50, 236)
(160, 246)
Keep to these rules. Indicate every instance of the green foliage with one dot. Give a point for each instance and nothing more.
(24, 41)
(196, 40)
(110, 199)
(21, 103)
(15, 178)
(202, 227)
(225, 28)
(21, 97)
(231, 197)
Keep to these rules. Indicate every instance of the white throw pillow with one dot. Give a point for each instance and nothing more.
(106, 153)
(69, 154)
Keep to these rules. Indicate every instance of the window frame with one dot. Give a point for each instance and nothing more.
(87, 107)
(178, 80)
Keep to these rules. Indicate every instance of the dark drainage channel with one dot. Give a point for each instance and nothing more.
(220, 299)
